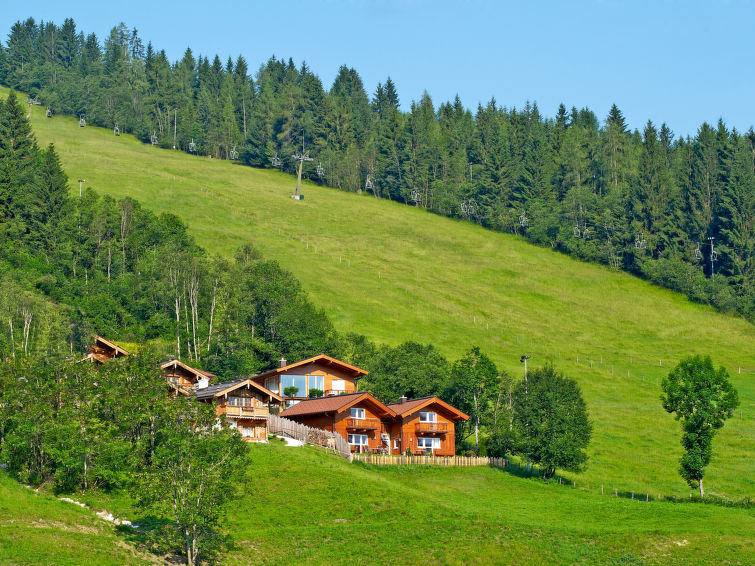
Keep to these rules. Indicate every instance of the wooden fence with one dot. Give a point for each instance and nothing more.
(417, 460)
(304, 433)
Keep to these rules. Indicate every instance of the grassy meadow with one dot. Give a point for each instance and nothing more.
(38, 529)
(396, 273)
(303, 506)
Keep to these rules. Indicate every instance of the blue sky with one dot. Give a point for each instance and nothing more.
(673, 61)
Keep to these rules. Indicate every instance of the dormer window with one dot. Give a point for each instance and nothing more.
(357, 413)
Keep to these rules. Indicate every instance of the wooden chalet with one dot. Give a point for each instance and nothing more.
(424, 425)
(327, 375)
(104, 350)
(358, 417)
(244, 403)
(183, 379)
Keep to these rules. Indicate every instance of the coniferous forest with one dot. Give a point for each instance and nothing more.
(648, 202)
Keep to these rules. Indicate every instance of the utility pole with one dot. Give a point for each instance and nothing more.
(301, 158)
(713, 254)
(470, 171)
(175, 121)
(30, 101)
(524, 359)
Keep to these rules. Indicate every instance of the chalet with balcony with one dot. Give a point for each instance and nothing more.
(358, 417)
(183, 379)
(244, 403)
(314, 377)
(425, 425)
(104, 350)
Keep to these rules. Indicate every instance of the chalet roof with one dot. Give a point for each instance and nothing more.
(335, 404)
(108, 344)
(218, 389)
(414, 405)
(178, 363)
(323, 359)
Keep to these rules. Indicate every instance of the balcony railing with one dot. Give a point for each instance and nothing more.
(363, 424)
(248, 412)
(441, 428)
(329, 392)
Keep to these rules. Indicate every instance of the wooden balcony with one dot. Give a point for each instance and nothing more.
(246, 412)
(362, 424)
(431, 428)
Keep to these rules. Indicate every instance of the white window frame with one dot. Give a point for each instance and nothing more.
(360, 437)
(341, 382)
(428, 417)
(434, 442)
(358, 413)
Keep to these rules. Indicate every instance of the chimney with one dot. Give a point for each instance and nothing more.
(202, 382)
(402, 400)
(283, 362)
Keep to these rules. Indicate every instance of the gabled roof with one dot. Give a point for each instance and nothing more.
(414, 405)
(218, 389)
(108, 344)
(178, 363)
(323, 359)
(335, 404)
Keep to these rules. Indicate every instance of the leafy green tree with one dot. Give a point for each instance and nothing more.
(474, 379)
(702, 398)
(193, 473)
(551, 421)
(410, 369)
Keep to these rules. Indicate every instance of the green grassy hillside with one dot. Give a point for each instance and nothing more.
(300, 505)
(396, 273)
(39, 529)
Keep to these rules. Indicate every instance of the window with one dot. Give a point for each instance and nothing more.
(339, 385)
(316, 382)
(427, 417)
(428, 442)
(395, 443)
(292, 380)
(358, 439)
(240, 401)
(357, 413)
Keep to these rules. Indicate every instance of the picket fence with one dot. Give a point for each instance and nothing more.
(419, 460)
(304, 433)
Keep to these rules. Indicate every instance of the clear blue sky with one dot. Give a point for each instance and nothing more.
(682, 62)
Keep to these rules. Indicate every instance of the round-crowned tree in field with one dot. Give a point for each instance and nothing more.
(551, 421)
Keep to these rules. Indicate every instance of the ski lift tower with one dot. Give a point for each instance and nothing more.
(301, 158)
(31, 102)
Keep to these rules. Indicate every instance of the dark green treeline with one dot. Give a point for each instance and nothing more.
(646, 202)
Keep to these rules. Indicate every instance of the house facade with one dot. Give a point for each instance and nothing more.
(425, 425)
(183, 379)
(317, 376)
(104, 350)
(358, 417)
(244, 403)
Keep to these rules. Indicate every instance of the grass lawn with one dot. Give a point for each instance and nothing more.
(38, 529)
(300, 505)
(396, 273)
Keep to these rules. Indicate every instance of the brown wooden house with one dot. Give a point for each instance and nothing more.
(358, 417)
(424, 425)
(183, 379)
(322, 373)
(244, 403)
(104, 350)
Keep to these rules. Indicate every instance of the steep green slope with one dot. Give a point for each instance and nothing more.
(38, 529)
(396, 273)
(301, 505)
